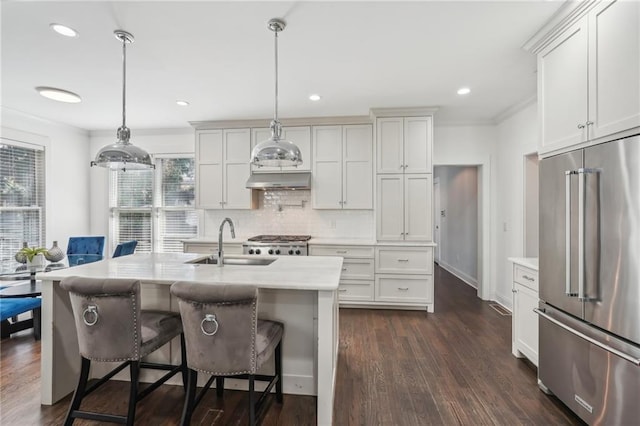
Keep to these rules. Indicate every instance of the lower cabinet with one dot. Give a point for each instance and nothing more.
(211, 248)
(404, 276)
(383, 276)
(524, 320)
(356, 280)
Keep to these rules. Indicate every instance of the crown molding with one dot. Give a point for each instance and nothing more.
(144, 132)
(286, 122)
(402, 112)
(569, 13)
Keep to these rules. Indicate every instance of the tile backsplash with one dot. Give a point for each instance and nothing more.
(288, 213)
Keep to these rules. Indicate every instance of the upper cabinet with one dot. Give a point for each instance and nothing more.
(301, 136)
(342, 167)
(589, 77)
(222, 169)
(404, 145)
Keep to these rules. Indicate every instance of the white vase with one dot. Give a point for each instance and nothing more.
(37, 261)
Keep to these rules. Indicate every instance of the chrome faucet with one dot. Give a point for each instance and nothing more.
(233, 235)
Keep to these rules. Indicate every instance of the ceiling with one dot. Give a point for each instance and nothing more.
(219, 56)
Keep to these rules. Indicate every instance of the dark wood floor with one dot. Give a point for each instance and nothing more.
(395, 368)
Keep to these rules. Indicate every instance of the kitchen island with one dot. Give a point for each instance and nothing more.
(300, 291)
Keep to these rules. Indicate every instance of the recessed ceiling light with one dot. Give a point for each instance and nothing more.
(182, 103)
(314, 97)
(59, 94)
(64, 30)
(464, 91)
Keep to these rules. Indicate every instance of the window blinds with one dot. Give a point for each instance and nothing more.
(156, 208)
(22, 198)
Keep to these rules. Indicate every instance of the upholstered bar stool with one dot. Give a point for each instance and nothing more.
(111, 327)
(225, 338)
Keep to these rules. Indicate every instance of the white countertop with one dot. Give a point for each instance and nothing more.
(527, 262)
(320, 241)
(287, 272)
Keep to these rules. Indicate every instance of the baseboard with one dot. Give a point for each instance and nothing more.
(473, 282)
(505, 303)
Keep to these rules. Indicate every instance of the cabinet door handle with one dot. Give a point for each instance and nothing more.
(344, 202)
(581, 126)
(344, 269)
(514, 291)
(528, 278)
(342, 290)
(403, 260)
(341, 251)
(589, 123)
(403, 288)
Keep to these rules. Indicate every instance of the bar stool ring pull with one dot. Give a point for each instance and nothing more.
(209, 318)
(93, 311)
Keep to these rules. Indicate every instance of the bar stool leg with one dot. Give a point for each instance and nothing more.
(189, 400)
(278, 360)
(219, 386)
(252, 401)
(134, 369)
(183, 362)
(79, 393)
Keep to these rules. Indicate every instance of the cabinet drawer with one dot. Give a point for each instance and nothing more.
(211, 248)
(404, 288)
(344, 251)
(357, 269)
(403, 260)
(526, 277)
(355, 290)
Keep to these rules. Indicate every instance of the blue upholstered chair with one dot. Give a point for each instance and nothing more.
(85, 249)
(125, 248)
(11, 307)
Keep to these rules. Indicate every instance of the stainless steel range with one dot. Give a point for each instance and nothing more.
(277, 245)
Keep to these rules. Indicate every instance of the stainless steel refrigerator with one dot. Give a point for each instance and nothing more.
(589, 313)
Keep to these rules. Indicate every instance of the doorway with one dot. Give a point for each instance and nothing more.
(457, 221)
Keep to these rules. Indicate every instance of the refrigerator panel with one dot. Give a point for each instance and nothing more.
(553, 235)
(612, 237)
(599, 386)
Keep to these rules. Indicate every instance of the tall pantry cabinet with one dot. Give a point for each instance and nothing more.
(404, 208)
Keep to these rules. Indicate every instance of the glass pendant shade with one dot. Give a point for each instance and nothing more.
(122, 155)
(275, 151)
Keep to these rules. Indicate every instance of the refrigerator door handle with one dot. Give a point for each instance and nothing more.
(567, 228)
(591, 340)
(581, 201)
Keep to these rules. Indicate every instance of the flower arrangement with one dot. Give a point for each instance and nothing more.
(31, 252)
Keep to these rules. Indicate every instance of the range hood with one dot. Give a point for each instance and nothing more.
(266, 181)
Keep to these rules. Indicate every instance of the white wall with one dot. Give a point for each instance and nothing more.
(67, 172)
(517, 137)
(475, 146)
(459, 225)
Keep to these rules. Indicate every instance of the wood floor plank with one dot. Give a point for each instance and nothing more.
(395, 368)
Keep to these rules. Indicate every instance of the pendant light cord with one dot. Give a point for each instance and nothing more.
(275, 117)
(124, 80)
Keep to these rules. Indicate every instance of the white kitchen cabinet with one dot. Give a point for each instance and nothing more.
(357, 277)
(524, 320)
(404, 145)
(404, 207)
(211, 248)
(588, 84)
(222, 169)
(301, 136)
(342, 167)
(404, 276)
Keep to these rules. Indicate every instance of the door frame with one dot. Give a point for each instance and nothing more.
(436, 218)
(486, 286)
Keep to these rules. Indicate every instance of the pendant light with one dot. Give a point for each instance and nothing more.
(276, 151)
(122, 155)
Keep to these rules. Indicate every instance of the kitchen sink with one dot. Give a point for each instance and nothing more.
(233, 260)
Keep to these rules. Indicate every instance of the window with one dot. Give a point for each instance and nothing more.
(154, 207)
(22, 198)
